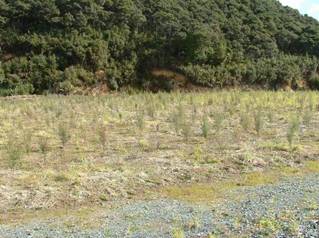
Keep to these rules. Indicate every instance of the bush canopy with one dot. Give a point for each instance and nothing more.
(64, 46)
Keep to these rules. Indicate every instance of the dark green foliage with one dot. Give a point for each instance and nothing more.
(314, 81)
(63, 46)
(269, 73)
(74, 77)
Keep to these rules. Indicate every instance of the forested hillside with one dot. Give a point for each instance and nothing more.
(65, 46)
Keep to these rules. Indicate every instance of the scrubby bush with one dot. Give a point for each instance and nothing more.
(202, 74)
(24, 75)
(1, 73)
(74, 78)
(271, 73)
(53, 46)
(314, 81)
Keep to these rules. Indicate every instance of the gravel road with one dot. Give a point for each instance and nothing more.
(287, 209)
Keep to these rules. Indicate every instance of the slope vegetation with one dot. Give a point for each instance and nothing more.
(65, 46)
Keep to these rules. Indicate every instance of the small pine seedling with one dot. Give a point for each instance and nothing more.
(205, 127)
(64, 135)
(244, 121)
(258, 121)
(14, 154)
(218, 118)
(293, 129)
(140, 120)
(102, 136)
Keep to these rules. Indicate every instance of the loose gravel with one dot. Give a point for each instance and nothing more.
(287, 209)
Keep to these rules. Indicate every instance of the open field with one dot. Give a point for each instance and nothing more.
(78, 155)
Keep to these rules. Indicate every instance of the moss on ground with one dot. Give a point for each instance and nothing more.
(212, 192)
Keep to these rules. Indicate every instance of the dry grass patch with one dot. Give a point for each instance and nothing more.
(117, 146)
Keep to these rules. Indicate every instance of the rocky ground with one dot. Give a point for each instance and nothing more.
(286, 209)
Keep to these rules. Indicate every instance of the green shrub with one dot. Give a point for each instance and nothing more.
(204, 75)
(74, 78)
(29, 75)
(43, 73)
(314, 81)
(2, 76)
(19, 89)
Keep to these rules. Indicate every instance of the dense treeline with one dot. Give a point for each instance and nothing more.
(64, 46)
